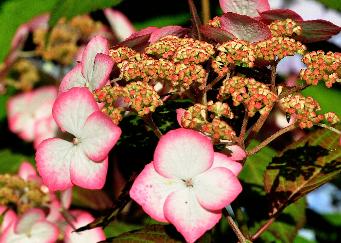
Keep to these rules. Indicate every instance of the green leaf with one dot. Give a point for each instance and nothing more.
(9, 162)
(326, 98)
(161, 21)
(13, 13)
(286, 226)
(3, 102)
(116, 228)
(71, 8)
(302, 167)
(335, 4)
(300, 239)
(149, 234)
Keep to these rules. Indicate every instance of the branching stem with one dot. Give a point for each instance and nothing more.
(271, 138)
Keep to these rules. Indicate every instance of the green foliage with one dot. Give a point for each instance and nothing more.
(71, 8)
(285, 228)
(335, 4)
(13, 13)
(116, 228)
(10, 162)
(326, 98)
(303, 167)
(3, 101)
(149, 234)
(160, 21)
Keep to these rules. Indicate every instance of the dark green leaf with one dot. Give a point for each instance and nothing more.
(149, 234)
(335, 4)
(9, 162)
(116, 228)
(286, 226)
(71, 8)
(13, 13)
(302, 167)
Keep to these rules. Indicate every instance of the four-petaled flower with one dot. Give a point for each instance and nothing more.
(187, 184)
(31, 227)
(82, 161)
(94, 69)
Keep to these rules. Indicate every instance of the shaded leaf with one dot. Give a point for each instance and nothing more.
(10, 162)
(244, 27)
(151, 233)
(137, 43)
(244, 7)
(167, 30)
(71, 8)
(23, 13)
(160, 21)
(286, 226)
(279, 14)
(302, 167)
(216, 34)
(94, 199)
(318, 30)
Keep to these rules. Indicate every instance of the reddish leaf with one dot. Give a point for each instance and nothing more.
(318, 30)
(137, 43)
(216, 34)
(244, 27)
(244, 7)
(167, 30)
(277, 14)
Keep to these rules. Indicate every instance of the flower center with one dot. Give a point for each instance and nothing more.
(75, 141)
(188, 182)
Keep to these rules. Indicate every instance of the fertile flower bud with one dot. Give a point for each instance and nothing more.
(287, 27)
(254, 95)
(276, 48)
(321, 67)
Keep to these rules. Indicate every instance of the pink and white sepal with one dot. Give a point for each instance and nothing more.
(31, 227)
(187, 184)
(82, 161)
(82, 218)
(94, 69)
(26, 111)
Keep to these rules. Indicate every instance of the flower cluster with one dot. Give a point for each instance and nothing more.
(62, 45)
(254, 95)
(304, 110)
(276, 48)
(23, 194)
(286, 27)
(321, 67)
(208, 119)
(28, 222)
(142, 97)
(235, 52)
(25, 75)
(123, 53)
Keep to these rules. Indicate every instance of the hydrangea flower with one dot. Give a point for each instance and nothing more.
(82, 161)
(94, 69)
(31, 227)
(187, 184)
(27, 120)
